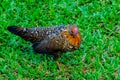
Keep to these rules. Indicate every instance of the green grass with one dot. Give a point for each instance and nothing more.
(98, 57)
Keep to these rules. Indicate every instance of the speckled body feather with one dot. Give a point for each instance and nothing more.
(51, 39)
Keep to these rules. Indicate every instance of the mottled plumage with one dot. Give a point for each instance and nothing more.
(50, 40)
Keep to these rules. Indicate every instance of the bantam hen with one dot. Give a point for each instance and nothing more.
(50, 40)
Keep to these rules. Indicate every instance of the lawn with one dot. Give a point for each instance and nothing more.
(98, 57)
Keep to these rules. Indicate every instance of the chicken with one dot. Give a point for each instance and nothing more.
(50, 40)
